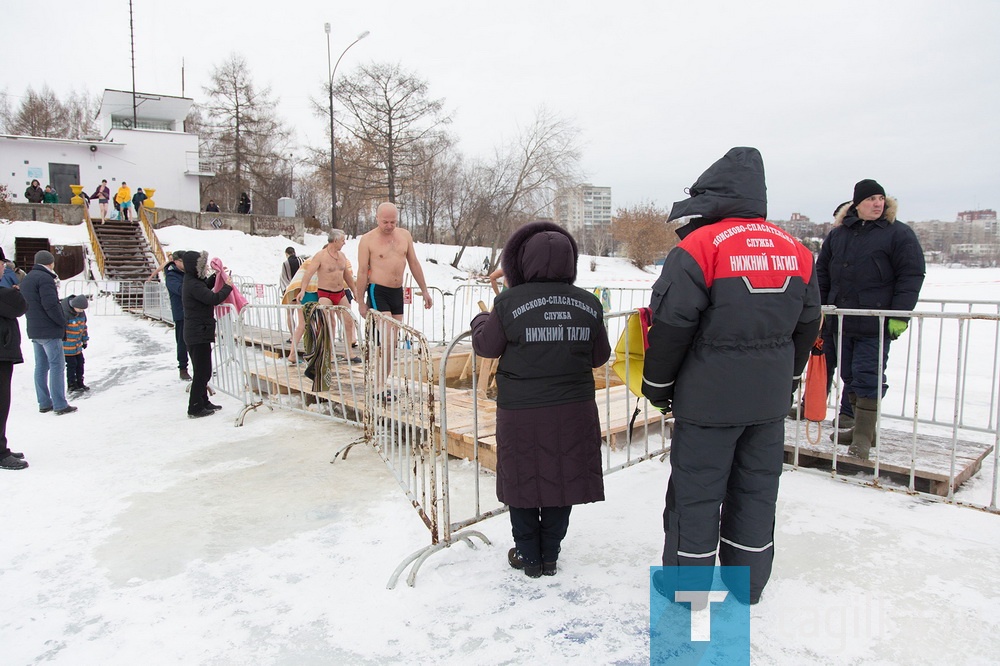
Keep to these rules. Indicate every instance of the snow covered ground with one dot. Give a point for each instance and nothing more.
(140, 536)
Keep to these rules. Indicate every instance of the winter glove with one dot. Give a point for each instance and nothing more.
(660, 398)
(84, 345)
(896, 328)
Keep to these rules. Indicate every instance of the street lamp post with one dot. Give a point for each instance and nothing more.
(331, 71)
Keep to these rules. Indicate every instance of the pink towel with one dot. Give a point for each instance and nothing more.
(234, 297)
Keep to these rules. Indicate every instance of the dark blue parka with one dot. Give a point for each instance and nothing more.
(46, 320)
(174, 279)
(870, 265)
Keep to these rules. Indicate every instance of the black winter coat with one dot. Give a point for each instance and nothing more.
(200, 300)
(876, 265)
(735, 309)
(12, 306)
(46, 320)
(549, 335)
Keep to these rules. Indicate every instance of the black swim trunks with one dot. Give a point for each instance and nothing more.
(385, 299)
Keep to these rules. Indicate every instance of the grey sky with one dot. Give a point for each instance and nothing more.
(904, 92)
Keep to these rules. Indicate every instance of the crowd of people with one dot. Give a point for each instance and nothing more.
(738, 301)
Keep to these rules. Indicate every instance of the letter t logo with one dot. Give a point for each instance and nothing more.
(701, 611)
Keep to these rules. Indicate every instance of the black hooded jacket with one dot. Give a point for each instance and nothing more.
(736, 307)
(199, 299)
(549, 335)
(542, 310)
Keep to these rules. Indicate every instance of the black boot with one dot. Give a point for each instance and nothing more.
(184, 374)
(517, 561)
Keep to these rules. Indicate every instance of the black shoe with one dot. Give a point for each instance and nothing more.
(44, 410)
(184, 375)
(548, 568)
(68, 409)
(17, 455)
(517, 561)
(201, 413)
(10, 462)
(355, 359)
(212, 406)
(82, 387)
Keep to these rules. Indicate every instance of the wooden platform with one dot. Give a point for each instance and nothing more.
(462, 436)
(895, 449)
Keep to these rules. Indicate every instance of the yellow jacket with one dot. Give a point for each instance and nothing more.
(124, 194)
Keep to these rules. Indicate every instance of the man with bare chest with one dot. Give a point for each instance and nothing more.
(383, 256)
(334, 270)
(335, 274)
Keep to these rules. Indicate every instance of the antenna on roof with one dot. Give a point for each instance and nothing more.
(131, 32)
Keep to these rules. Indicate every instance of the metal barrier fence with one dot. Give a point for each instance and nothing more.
(318, 378)
(466, 494)
(942, 391)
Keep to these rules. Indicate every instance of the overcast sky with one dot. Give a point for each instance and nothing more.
(906, 92)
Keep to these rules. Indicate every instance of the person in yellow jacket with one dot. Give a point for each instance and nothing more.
(124, 200)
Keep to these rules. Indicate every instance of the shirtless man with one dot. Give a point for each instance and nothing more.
(335, 273)
(383, 255)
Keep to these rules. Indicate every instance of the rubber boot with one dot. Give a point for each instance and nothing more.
(846, 431)
(865, 416)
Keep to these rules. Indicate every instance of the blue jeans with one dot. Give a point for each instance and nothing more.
(859, 366)
(50, 373)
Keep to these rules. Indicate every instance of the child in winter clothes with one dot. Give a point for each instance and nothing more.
(75, 341)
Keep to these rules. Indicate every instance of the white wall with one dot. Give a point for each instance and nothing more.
(141, 158)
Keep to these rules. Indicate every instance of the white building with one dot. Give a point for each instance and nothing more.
(583, 209)
(142, 142)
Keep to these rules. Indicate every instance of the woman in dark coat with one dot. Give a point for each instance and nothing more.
(12, 306)
(199, 327)
(549, 336)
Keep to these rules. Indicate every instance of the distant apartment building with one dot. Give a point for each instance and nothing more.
(583, 208)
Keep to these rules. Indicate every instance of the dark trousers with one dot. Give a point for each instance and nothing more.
(6, 372)
(74, 370)
(538, 532)
(859, 366)
(182, 350)
(735, 468)
(201, 362)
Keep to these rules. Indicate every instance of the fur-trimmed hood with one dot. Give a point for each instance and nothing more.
(848, 208)
(539, 252)
(196, 260)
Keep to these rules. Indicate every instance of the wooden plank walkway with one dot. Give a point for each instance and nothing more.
(895, 448)
(462, 437)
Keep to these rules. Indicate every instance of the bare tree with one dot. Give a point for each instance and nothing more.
(520, 183)
(40, 114)
(5, 112)
(246, 138)
(391, 114)
(644, 232)
(81, 115)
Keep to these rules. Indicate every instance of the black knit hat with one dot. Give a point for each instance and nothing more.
(866, 188)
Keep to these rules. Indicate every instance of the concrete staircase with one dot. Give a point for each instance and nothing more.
(127, 255)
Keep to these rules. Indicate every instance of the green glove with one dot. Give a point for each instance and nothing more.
(896, 328)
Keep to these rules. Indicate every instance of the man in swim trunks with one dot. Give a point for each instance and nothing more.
(383, 255)
(335, 274)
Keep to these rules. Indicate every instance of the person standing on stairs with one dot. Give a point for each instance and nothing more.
(103, 196)
(868, 261)
(124, 200)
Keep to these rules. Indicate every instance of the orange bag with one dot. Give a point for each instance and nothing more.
(815, 393)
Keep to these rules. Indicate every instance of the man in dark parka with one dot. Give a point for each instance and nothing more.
(869, 260)
(199, 327)
(735, 312)
(549, 336)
